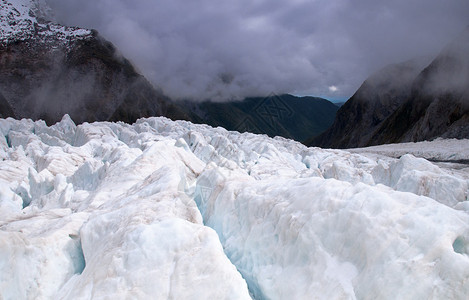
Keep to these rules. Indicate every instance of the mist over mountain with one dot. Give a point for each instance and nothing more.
(377, 98)
(48, 70)
(224, 50)
(439, 104)
(5, 108)
(407, 102)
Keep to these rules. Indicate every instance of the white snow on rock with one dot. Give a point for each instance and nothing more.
(162, 209)
(30, 19)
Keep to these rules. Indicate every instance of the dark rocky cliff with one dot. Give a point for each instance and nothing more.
(439, 103)
(407, 102)
(48, 70)
(378, 97)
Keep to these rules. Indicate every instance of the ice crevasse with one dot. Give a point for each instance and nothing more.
(172, 210)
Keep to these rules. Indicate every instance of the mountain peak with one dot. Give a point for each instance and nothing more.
(408, 103)
(28, 19)
(48, 70)
(27, 8)
(449, 71)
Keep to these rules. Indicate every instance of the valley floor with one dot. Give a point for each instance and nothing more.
(162, 209)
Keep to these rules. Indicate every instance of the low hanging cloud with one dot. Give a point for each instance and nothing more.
(220, 50)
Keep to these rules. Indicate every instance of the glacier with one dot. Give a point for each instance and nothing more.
(165, 209)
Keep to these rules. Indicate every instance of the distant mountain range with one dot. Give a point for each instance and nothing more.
(276, 115)
(48, 70)
(407, 102)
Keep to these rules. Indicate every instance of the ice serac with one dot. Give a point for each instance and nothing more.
(102, 210)
(48, 70)
(162, 209)
(315, 238)
(293, 233)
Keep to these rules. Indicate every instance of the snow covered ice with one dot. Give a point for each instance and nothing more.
(162, 209)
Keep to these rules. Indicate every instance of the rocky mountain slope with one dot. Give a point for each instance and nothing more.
(439, 104)
(407, 102)
(377, 98)
(48, 70)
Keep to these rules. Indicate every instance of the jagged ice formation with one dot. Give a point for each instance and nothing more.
(162, 209)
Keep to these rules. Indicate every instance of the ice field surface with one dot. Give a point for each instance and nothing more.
(162, 209)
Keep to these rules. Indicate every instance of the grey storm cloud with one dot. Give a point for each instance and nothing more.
(212, 49)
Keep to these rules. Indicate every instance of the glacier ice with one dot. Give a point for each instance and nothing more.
(304, 237)
(105, 219)
(162, 209)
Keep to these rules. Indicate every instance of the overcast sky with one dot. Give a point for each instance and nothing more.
(222, 49)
